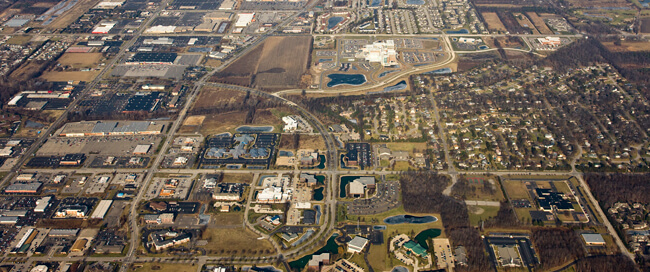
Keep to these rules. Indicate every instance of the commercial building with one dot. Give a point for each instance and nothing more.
(142, 149)
(109, 4)
(244, 19)
(593, 239)
(550, 41)
(415, 248)
(165, 239)
(23, 188)
(290, 123)
(104, 27)
(110, 128)
(42, 204)
(549, 201)
(152, 58)
(9, 220)
(228, 191)
(359, 186)
(381, 51)
(357, 244)
(71, 211)
(318, 260)
(101, 209)
(79, 245)
(160, 29)
(343, 265)
(308, 178)
(508, 256)
(73, 159)
(63, 232)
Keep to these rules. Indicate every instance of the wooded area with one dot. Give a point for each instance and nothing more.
(556, 246)
(615, 187)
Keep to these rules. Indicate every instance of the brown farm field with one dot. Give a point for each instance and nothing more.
(599, 3)
(539, 23)
(278, 63)
(493, 21)
(645, 24)
(74, 75)
(80, 60)
(284, 61)
(229, 121)
(627, 46)
(212, 97)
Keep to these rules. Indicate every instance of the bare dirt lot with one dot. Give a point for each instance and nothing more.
(284, 61)
(493, 21)
(645, 25)
(229, 121)
(277, 63)
(80, 60)
(72, 75)
(627, 46)
(539, 23)
(212, 97)
(599, 3)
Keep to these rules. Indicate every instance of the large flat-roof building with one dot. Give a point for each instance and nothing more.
(110, 128)
(101, 209)
(357, 244)
(23, 188)
(593, 239)
(152, 58)
(381, 51)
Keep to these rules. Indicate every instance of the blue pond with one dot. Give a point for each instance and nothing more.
(343, 79)
(483, 47)
(462, 31)
(333, 21)
(441, 71)
(254, 129)
(400, 269)
(375, 3)
(405, 218)
(397, 87)
(415, 2)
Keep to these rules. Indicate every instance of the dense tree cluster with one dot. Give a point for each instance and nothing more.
(556, 246)
(612, 188)
(470, 238)
(605, 263)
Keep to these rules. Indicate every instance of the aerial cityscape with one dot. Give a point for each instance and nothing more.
(324, 135)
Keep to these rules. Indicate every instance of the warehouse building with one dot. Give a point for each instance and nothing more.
(593, 239)
(42, 204)
(101, 209)
(110, 128)
(152, 58)
(23, 188)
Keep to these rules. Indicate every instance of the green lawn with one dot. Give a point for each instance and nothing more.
(477, 213)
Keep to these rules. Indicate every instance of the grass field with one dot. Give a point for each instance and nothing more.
(539, 23)
(493, 21)
(80, 60)
(228, 219)
(20, 40)
(516, 189)
(311, 142)
(524, 22)
(238, 241)
(477, 213)
(163, 267)
(227, 122)
(419, 147)
(74, 75)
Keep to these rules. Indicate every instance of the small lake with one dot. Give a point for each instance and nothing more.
(410, 219)
(318, 194)
(462, 31)
(375, 3)
(331, 247)
(483, 47)
(333, 21)
(440, 71)
(345, 79)
(397, 87)
(254, 129)
(415, 2)
(425, 235)
(400, 269)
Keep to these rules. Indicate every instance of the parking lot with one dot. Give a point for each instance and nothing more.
(173, 188)
(386, 198)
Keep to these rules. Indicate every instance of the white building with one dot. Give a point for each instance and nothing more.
(290, 123)
(382, 51)
(104, 27)
(244, 19)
